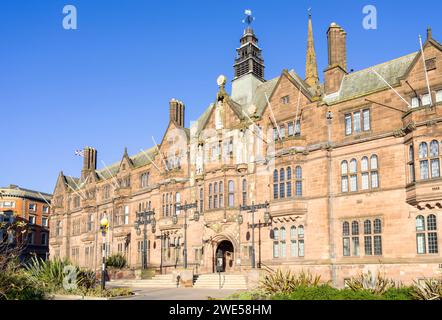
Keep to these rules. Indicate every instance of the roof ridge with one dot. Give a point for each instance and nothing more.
(383, 63)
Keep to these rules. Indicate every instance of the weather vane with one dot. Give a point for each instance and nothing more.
(249, 18)
(309, 12)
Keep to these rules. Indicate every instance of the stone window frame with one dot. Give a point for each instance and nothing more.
(285, 100)
(231, 194)
(350, 115)
(355, 168)
(297, 237)
(355, 229)
(427, 159)
(425, 232)
(144, 179)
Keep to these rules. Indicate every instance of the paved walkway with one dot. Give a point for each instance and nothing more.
(178, 294)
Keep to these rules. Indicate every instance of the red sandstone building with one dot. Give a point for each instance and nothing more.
(31, 207)
(350, 169)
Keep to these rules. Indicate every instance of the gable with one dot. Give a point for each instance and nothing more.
(287, 100)
(416, 72)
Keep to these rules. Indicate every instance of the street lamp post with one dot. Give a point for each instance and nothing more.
(196, 217)
(144, 218)
(104, 226)
(252, 209)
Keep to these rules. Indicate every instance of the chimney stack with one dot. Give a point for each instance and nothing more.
(89, 161)
(176, 112)
(337, 58)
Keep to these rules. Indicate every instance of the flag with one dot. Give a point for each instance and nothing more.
(79, 153)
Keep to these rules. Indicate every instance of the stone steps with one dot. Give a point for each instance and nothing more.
(158, 281)
(228, 281)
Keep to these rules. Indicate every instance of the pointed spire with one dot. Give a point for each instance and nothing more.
(311, 66)
(125, 152)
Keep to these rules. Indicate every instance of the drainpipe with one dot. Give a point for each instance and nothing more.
(332, 247)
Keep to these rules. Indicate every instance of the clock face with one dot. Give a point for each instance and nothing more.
(221, 80)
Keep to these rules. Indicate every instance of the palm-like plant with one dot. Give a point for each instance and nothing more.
(280, 282)
(431, 289)
(378, 284)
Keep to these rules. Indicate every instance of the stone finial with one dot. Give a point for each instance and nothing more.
(429, 33)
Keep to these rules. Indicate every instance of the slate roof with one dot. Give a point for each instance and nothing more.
(140, 159)
(365, 81)
(15, 191)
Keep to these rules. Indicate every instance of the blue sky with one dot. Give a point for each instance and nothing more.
(108, 83)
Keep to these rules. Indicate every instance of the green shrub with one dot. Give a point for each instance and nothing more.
(402, 293)
(285, 282)
(431, 289)
(116, 261)
(15, 285)
(326, 292)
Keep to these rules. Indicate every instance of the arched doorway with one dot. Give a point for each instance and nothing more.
(226, 248)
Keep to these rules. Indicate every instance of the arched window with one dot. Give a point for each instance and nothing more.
(231, 194)
(210, 196)
(293, 232)
(275, 184)
(344, 176)
(355, 237)
(365, 174)
(344, 168)
(434, 159)
(367, 227)
(374, 162)
(301, 249)
(355, 228)
(434, 149)
(289, 182)
(420, 223)
(167, 204)
(283, 243)
(364, 164)
(353, 175)
(293, 242)
(345, 229)
(276, 243)
(374, 167)
(423, 150)
(301, 231)
(244, 192)
(353, 166)
(281, 183)
(298, 174)
(431, 223)
(377, 226)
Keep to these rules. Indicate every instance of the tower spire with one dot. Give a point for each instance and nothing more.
(311, 66)
(249, 58)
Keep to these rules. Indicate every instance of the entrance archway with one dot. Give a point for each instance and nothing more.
(227, 250)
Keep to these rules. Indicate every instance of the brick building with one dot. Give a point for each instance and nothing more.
(350, 169)
(31, 207)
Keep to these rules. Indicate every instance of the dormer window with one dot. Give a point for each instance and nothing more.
(285, 100)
